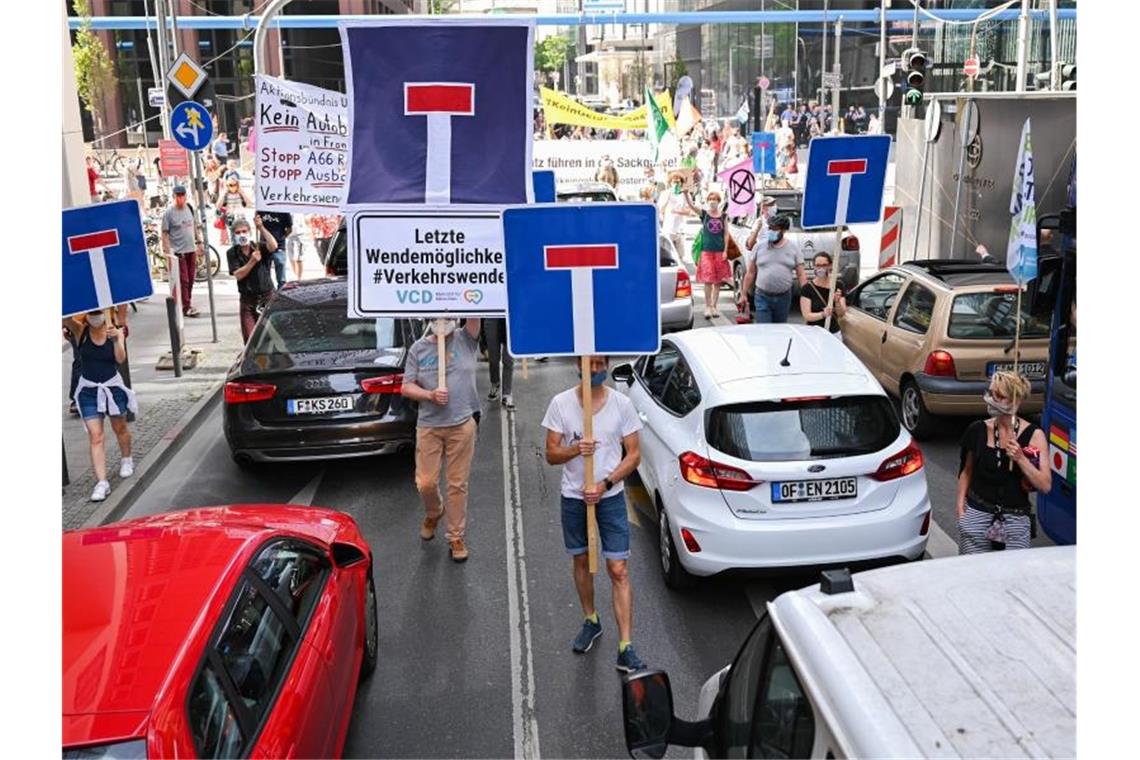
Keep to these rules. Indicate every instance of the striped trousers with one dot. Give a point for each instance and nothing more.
(974, 523)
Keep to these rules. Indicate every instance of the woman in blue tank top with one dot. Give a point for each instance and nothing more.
(101, 393)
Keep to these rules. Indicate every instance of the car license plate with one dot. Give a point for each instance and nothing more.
(323, 405)
(814, 490)
(1031, 370)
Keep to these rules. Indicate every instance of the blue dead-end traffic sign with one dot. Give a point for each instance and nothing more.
(582, 279)
(191, 126)
(845, 180)
(104, 257)
(543, 180)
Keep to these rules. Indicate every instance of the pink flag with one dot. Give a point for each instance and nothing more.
(739, 188)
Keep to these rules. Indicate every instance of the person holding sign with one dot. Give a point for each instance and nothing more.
(713, 268)
(816, 303)
(615, 427)
(441, 377)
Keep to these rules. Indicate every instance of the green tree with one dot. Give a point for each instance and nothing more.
(677, 70)
(550, 54)
(94, 71)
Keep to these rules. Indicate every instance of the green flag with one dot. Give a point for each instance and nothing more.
(655, 124)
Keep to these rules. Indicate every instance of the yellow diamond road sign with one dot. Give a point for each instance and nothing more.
(186, 75)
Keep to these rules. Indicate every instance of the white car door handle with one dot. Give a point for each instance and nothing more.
(643, 416)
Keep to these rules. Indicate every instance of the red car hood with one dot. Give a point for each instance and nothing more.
(105, 728)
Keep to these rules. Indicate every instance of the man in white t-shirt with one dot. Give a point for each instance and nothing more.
(617, 450)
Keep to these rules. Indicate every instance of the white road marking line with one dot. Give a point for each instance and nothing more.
(522, 669)
(939, 544)
(306, 495)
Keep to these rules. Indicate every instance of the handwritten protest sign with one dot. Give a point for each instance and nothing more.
(302, 136)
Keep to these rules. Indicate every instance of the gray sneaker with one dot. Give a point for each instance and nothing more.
(587, 636)
(508, 401)
(494, 394)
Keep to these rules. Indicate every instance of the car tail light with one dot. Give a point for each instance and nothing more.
(704, 472)
(684, 285)
(925, 525)
(850, 243)
(907, 461)
(241, 393)
(384, 384)
(690, 542)
(940, 364)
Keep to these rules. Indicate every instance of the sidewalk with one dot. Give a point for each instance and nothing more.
(168, 406)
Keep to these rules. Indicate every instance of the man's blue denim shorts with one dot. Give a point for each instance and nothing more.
(613, 526)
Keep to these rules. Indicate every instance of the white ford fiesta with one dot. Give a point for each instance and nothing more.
(770, 446)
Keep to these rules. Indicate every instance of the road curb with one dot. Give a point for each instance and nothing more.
(123, 497)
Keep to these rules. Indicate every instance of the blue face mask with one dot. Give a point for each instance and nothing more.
(774, 236)
(596, 378)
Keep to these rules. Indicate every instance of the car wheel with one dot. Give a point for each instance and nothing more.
(915, 418)
(676, 577)
(371, 631)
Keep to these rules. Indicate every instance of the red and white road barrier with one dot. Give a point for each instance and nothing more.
(892, 228)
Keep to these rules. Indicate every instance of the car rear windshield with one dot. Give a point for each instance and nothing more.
(296, 331)
(990, 315)
(783, 431)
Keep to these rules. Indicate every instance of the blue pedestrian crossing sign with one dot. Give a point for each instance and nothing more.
(582, 279)
(191, 125)
(543, 180)
(104, 257)
(845, 180)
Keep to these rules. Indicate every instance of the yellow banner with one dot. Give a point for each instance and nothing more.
(559, 108)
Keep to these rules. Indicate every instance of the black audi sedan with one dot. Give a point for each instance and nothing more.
(314, 384)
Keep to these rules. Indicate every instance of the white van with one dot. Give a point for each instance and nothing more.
(961, 657)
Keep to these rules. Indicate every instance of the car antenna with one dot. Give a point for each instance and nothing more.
(784, 362)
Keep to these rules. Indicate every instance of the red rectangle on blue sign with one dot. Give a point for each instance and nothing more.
(90, 241)
(848, 166)
(439, 97)
(576, 256)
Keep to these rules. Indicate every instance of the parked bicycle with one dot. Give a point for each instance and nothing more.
(158, 263)
(109, 163)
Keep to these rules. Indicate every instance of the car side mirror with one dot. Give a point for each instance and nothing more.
(647, 707)
(623, 373)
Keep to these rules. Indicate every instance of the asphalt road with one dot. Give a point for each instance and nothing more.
(475, 658)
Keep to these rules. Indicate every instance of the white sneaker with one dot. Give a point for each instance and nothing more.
(126, 467)
(494, 394)
(508, 401)
(102, 489)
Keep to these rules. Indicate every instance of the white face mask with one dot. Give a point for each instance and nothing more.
(444, 327)
(241, 239)
(96, 320)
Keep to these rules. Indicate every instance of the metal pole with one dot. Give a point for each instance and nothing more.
(175, 43)
(172, 312)
(921, 198)
(163, 62)
(823, 60)
(882, 60)
(205, 242)
(914, 27)
(1055, 69)
(835, 90)
(796, 69)
(1022, 43)
(962, 123)
(261, 35)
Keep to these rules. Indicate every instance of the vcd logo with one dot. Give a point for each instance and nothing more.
(414, 296)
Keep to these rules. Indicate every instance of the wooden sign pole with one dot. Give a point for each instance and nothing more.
(588, 432)
(441, 354)
(834, 276)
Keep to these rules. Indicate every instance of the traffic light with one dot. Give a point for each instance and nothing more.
(915, 78)
(1068, 76)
